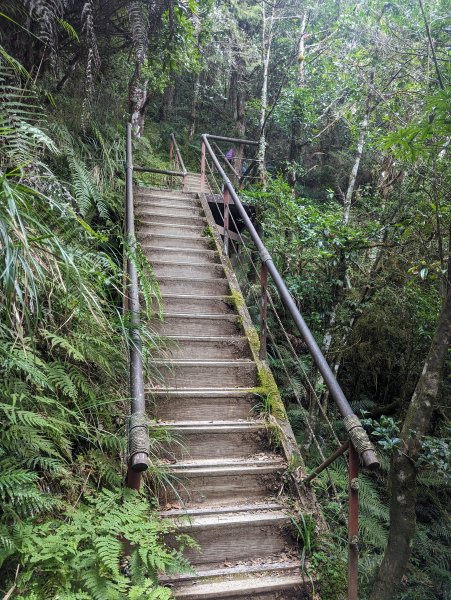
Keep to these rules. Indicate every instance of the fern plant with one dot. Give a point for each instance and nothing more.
(63, 357)
(83, 554)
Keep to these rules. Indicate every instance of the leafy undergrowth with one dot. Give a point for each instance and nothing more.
(64, 516)
(82, 556)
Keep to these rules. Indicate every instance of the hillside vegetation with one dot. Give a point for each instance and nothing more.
(349, 102)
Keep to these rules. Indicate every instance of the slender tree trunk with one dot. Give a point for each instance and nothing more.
(167, 104)
(241, 131)
(138, 100)
(355, 169)
(193, 115)
(403, 472)
(267, 34)
(137, 87)
(297, 108)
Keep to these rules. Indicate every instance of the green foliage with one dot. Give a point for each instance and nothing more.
(435, 455)
(330, 564)
(83, 552)
(427, 135)
(386, 430)
(63, 356)
(304, 526)
(86, 555)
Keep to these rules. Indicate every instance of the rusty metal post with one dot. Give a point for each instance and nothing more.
(263, 311)
(133, 480)
(202, 168)
(226, 221)
(183, 183)
(341, 450)
(353, 523)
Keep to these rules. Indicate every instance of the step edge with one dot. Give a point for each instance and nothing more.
(212, 316)
(235, 569)
(240, 519)
(256, 585)
(236, 509)
(174, 249)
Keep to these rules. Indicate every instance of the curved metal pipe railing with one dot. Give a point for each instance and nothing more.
(358, 443)
(178, 155)
(138, 436)
(357, 434)
(179, 171)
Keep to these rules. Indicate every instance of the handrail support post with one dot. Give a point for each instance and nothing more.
(353, 522)
(263, 311)
(226, 221)
(202, 168)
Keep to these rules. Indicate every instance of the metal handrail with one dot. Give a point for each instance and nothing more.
(179, 162)
(357, 434)
(179, 156)
(160, 171)
(221, 138)
(138, 437)
(358, 444)
(241, 178)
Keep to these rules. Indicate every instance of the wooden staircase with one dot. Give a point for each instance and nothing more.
(230, 491)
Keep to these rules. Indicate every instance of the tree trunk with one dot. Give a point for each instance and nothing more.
(403, 473)
(240, 112)
(355, 169)
(193, 115)
(167, 103)
(267, 33)
(296, 108)
(137, 87)
(138, 101)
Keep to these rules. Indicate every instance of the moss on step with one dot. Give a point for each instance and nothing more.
(275, 435)
(235, 300)
(210, 234)
(254, 340)
(295, 462)
(269, 391)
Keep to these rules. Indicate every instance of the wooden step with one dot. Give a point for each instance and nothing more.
(165, 268)
(145, 193)
(178, 204)
(212, 374)
(220, 439)
(193, 303)
(146, 225)
(158, 239)
(287, 563)
(164, 206)
(226, 481)
(170, 217)
(257, 585)
(197, 324)
(194, 285)
(202, 405)
(180, 255)
(211, 347)
(254, 531)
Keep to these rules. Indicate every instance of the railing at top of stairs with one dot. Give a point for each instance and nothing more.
(358, 443)
(179, 170)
